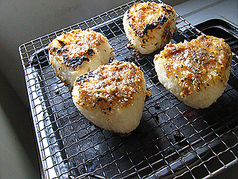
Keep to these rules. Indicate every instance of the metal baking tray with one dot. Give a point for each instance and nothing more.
(172, 140)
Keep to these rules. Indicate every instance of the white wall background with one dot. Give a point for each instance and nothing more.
(14, 161)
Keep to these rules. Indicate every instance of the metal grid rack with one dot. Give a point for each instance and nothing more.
(173, 140)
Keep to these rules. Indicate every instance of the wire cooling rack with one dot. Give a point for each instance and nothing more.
(173, 140)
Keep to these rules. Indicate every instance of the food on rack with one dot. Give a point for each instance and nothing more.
(112, 96)
(77, 52)
(149, 26)
(196, 72)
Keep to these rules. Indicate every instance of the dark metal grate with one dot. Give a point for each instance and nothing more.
(172, 140)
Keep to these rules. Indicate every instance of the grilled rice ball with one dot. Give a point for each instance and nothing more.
(77, 52)
(149, 26)
(112, 96)
(196, 72)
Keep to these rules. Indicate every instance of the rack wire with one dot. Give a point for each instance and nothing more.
(173, 140)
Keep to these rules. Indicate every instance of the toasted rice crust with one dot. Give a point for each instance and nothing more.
(149, 26)
(78, 52)
(112, 96)
(195, 72)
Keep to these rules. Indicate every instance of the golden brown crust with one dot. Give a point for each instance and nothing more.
(149, 26)
(147, 16)
(110, 85)
(195, 64)
(76, 46)
(77, 52)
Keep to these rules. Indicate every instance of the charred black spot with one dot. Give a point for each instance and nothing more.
(62, 43)
(74, 62)
(85, 77)
(156, 24)
(59, 51)
(166, 9)
(162, 20)
(54, 49)
(150, 27)
(90, 51)
(145, 30)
